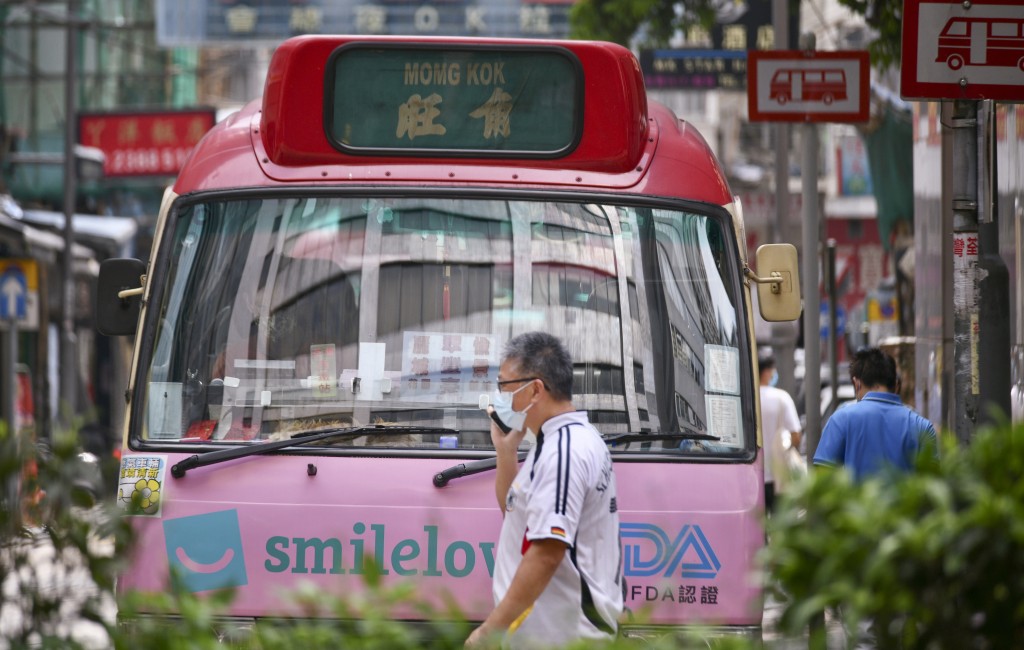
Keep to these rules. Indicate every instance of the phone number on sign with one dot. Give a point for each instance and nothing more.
(146, 161)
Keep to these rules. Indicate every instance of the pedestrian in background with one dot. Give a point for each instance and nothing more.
(878, 431)
(557, 574)
(780, 429)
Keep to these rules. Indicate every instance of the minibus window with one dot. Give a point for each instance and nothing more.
(288, 315)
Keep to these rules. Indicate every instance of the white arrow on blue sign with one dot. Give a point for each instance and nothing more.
(13, 294)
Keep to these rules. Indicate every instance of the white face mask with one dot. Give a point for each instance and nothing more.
(502, 403)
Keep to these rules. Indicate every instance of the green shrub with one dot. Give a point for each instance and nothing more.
(932, 559)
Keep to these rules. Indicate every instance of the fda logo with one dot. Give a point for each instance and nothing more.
(649, 551)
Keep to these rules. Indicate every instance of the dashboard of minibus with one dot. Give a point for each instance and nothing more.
(279, 316)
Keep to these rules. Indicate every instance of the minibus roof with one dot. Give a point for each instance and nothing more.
(289, 137)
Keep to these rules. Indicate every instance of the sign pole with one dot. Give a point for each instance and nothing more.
(993, 280)
(809, 273)
(783, 334)
(964, 184)
(10, 375)
(68, 356)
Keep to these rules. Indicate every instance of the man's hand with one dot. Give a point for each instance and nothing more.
(507, 466)
(480, 638)
(539, 564)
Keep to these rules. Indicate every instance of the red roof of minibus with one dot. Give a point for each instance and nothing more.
(282, 140)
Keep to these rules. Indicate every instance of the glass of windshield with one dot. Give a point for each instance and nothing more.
(282, 316)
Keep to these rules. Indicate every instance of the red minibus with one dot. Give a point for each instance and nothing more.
(333, 276)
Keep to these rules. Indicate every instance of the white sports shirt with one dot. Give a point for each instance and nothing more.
(778, 414)
(565, 490)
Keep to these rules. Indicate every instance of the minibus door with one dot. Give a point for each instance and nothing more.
(979, 42)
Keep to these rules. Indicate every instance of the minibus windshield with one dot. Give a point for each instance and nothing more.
(277, 316)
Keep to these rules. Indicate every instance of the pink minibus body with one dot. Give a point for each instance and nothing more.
(332, 279)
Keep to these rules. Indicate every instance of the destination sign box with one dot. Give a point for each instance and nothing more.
(525, 102)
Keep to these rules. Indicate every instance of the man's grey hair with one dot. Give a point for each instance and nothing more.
(541, 355)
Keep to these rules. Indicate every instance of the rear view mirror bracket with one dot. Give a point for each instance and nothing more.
(119, 293)
(778, 285)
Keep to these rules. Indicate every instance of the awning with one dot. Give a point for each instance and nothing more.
(28, 241)
(113, 236)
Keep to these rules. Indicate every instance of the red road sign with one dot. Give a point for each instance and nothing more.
(963, 50)
(799, 86)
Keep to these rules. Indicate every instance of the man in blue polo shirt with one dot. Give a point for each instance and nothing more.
(878, 431)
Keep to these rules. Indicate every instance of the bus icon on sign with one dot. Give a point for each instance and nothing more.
(822, 85)
(989, 42)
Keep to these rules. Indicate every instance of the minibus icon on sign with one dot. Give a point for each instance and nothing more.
(807, 86)
(823, 86)
(962, 50)
(982, 41)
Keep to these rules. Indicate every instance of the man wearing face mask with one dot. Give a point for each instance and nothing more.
(557, 574)
(779, 421)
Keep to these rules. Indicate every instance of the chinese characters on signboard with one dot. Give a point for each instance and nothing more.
(511, 103)
(448, 367)
(144, 144)
(715, 58)
(191, 22)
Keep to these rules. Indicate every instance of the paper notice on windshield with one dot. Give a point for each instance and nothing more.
(442, 367)
(724, 421)
(324, 370)
(721, 369)
(164, 412)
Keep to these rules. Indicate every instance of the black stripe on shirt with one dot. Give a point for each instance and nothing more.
(587, 599)
(564, 433)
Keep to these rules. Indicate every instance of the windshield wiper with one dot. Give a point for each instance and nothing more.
(442, 478)
(306, 437)
(466, 469)
(639, 436)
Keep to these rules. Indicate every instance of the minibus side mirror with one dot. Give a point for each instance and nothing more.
(778, 286)
(119, 296)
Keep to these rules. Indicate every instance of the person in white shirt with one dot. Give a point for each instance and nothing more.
(558, 569)
(779, 421)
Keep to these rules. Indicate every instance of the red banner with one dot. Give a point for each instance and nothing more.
(144, 144)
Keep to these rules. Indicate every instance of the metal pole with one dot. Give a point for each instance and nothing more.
(833, 321)
(810, 274)
(783, 334)
(69, 365)
(10, 375)
(966, 318)
(993, 282)
(9, 371)
(812, 299)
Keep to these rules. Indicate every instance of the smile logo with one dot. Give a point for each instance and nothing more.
(205, 551)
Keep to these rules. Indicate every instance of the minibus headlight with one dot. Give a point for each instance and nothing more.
(709, 634)
(230, 632)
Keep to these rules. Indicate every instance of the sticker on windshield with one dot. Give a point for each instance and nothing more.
(205, 551)
(141, 482)
(164, 410)
(723, 369)
(724, 419)
(324, 369)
